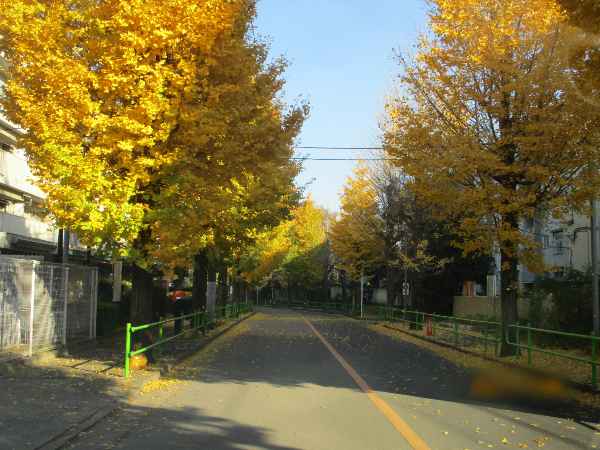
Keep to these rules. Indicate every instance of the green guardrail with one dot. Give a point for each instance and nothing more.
(313, 306)
(590, 341)
(490, 332)
(487, 332)
(197, 321)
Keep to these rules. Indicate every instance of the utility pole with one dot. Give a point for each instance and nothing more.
(595, 293)
(362, 291)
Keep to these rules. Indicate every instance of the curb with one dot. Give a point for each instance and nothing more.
(63, 438)
(71, 433)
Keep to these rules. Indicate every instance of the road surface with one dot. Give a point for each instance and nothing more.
(286, 380)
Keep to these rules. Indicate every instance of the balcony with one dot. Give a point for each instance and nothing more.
(28, 228)
(15, 174)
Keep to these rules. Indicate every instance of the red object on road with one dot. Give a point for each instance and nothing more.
(178, 294)
(429, 326)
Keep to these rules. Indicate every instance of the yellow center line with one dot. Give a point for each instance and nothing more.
(400, 425)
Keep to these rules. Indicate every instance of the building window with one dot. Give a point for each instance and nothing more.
(35, 209)
(545, 241)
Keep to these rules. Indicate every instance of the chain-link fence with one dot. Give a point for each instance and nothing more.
(44, 304)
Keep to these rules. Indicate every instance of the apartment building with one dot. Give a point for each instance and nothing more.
(565, 244)
(24, 226)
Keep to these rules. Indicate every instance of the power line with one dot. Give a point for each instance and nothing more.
(337, 148)
(345, 159)
(323, 147)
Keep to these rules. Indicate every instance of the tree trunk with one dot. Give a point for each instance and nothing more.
(223, 287)
(391, 285)
(211, 291)
(509, 295)
(199, 282)
(235, 294)
(140, 308)
(62, 249)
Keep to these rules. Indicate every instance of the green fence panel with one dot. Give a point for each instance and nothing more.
(198, 320)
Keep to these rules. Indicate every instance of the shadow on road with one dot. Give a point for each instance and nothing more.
(174, 428)
(36, 403)
(279, 349)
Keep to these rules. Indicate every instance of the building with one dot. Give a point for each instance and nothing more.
(565, 245)
(24, 226)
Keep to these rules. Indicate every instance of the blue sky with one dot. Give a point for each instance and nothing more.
(341, 55)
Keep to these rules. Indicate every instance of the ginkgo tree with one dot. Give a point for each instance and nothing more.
(357, 235)
(152, 125)
(491, 128)
(99, 88)
(233, 177)
(234, 173)
(293, 254)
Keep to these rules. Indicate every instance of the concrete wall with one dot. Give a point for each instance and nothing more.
(380, 296)
(484, 307)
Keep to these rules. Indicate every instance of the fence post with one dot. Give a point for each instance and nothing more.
(498, 340)
(92, 305)
(32, 306)
(51, 295)
(66, 302)
(127, 348)
(595, 362)
(529, 342)
(455, 323)
(485, 338)
(518, 339)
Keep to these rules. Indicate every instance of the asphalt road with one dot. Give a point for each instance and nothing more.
(286, 380)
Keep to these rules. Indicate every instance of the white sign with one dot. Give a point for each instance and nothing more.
(406, 289)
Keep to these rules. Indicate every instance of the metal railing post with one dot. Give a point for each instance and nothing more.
(65, 306)
(529, 345)
(595, 362)
(485, 339)
(32, 308)
(498, 340)
(455, 324)
(89, 275)
(127, 348)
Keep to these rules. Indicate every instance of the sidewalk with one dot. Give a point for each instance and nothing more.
(41, 399)
(38, 403)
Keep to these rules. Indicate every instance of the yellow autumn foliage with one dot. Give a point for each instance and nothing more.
(356, 236)
(99, 87)
(292, 253)
(491, 128)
